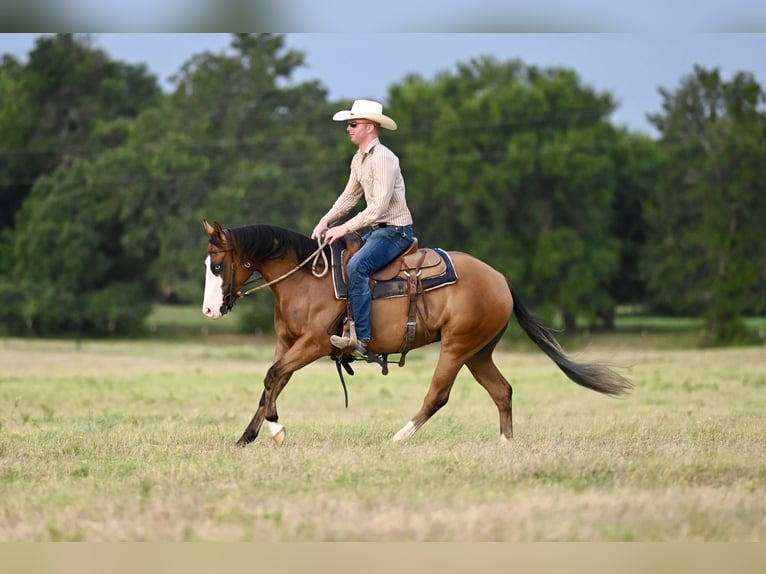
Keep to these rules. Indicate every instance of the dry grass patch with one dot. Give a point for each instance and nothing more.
(133, 441)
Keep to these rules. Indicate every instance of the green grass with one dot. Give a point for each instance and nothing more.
(187, 320)
(111, 441)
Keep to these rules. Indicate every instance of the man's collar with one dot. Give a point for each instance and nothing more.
(369, 147)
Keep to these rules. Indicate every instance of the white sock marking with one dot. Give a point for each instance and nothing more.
(406, 432)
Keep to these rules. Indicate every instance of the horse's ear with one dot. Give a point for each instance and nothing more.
(214, 230)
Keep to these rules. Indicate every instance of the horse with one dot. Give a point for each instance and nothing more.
(468, 318)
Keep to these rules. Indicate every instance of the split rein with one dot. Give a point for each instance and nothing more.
(315, 256)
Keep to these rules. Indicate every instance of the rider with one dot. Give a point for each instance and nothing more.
(375, 173)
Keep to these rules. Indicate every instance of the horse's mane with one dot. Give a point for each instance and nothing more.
(261, 242)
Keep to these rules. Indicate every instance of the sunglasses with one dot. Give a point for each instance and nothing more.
(353, 124)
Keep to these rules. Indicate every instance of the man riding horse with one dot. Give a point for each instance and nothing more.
(375, 173)
(307, 306)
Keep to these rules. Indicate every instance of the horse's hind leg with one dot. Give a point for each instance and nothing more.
(485, 371)
(437, 396)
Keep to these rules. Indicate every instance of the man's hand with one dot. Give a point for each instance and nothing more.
(319, 229)
(336, 233)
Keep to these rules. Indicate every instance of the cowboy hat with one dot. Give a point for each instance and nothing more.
(366, 110)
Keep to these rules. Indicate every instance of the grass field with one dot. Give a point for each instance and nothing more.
(132, 440)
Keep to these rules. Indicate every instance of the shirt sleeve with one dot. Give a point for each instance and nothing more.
(346, 200)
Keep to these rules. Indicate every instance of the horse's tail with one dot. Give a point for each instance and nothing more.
(595, 376)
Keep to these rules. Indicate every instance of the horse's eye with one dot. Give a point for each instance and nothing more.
(216, 268)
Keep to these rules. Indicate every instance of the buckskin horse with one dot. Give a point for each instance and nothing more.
(468, 317)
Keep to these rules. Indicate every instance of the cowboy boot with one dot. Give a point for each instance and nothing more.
(358, 350)
(340, 342)
(347, 339)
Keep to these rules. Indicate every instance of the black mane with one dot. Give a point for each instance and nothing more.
(261, 242)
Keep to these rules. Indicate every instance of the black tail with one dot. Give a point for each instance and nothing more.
(595, 376)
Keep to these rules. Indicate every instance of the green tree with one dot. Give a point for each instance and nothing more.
(261, 145)
(705, 217)
(58, 107)
(511, 162)
(235, 142)
(75, 268)
(636, 158)
(16, 125)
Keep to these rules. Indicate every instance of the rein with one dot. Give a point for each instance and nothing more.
(315, 256)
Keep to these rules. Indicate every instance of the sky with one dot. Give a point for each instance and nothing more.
(391, 16)
(632, 66)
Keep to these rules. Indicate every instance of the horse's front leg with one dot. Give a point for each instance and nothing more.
(292, 358)
(267, 409)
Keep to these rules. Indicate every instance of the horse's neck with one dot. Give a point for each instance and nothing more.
(273, 270)
(287, 278)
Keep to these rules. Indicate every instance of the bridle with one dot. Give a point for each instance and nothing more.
(233, 297)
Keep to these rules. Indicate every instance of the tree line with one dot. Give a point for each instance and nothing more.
(104, 181)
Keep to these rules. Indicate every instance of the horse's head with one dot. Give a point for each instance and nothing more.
(224, 273)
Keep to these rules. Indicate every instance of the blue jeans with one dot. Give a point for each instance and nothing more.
(381, 246)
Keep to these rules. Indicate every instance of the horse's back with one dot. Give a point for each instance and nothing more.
(479, 272)
(480, 290)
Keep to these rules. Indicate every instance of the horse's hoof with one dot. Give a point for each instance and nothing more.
(278, 433)
(406, 432)
(279, 438)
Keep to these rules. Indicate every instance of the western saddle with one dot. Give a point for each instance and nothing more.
(413, 265)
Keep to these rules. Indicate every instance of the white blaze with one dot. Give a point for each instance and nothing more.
(211, 304)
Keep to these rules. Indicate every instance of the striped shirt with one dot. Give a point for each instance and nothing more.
(375, 173)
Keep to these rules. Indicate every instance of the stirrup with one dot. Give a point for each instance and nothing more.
(357, 349)
(339, 342)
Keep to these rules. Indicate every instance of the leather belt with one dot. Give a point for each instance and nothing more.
(375, 226)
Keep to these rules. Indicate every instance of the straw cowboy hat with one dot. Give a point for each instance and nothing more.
(366, 110)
